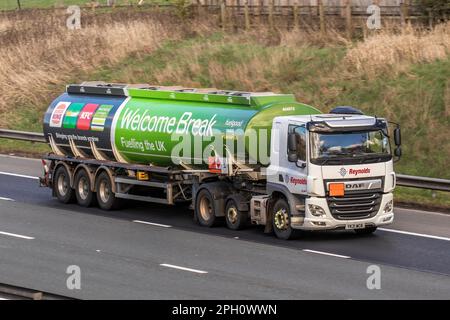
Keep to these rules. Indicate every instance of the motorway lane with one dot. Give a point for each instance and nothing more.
(406, 219)
(383, 247)
(122, 259)
(20, 165)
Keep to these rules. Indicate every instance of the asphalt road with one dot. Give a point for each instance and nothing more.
(170, 257)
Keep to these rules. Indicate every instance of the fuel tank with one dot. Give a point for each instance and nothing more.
(143, 124)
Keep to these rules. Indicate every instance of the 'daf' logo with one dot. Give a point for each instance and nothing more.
(343, 172)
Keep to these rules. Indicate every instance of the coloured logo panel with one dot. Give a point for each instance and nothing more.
(99, 119)
(85, 117)
(56, 119)
(70, 120)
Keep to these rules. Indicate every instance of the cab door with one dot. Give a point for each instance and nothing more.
(297, 158)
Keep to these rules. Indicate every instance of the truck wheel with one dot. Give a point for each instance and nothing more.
(235, 218)
(61, 185)
(281, 220)
(204, 209)
(367, 230)
(105, 196)
(83, 190)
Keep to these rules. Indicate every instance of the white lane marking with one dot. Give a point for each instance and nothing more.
(18, 157)
(3, 299)
(16, 235)
(182, 268)
(6, 199)
(153, 224)
(18, 175)
(326, 253)
(415, 234)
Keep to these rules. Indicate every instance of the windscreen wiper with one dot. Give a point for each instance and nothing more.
(368, 156)
(324, 160)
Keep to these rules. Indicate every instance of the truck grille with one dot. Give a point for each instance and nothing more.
(355, 205)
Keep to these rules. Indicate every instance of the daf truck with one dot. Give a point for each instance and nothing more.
(236, 157)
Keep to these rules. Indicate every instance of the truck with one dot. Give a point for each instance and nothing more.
(236, 157)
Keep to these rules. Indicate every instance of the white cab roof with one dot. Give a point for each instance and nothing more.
(333, 120)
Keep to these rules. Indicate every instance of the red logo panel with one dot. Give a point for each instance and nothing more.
(85, 116)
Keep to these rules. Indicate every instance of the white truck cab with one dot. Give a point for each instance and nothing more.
(336, 171)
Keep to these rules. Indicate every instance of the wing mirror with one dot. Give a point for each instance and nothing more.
(292, 147)
(397, 136)
(398, 151)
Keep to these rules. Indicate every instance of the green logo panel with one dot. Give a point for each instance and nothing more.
(99, 119)
(70, 120)
(145, 129)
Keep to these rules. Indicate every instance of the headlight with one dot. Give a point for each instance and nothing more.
(389, 206)
(316, 210)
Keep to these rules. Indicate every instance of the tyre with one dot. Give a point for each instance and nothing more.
(204, 209)
(61, 185)
(235, 218)
(281, 220)
(83, 189)
(368, 230)
(105, 196)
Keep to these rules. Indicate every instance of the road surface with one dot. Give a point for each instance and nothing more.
(149, 251)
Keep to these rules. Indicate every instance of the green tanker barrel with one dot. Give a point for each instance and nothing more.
(151, 124)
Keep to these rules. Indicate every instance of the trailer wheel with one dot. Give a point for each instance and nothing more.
(105, 196)
(61, 185)
(83, 190)
(204, 209)
(281, 220)
(235, 218)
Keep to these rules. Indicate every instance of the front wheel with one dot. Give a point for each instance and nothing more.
(281, 220)
(368, 230)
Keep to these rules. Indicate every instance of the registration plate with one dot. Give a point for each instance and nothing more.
(355, 226)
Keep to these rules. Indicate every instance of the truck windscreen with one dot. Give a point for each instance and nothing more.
(349, 147)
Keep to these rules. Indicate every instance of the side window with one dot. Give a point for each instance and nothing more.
(300, 134)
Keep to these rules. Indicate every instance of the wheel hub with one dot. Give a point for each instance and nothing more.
(83, 188)
(104, 192)
(205, 208)
(232, 215)
(62, 185)
(281, 219)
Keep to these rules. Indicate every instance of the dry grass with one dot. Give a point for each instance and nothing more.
(40, 51)
(417, 95)
(309, 36)
(394, 53)
(398, 74)
(249, 75)
(252, 61)
(5, 24)
(447, 100)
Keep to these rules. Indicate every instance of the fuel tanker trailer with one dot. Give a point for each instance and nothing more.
(243, 157)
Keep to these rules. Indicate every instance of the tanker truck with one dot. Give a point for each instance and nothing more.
(236, 157)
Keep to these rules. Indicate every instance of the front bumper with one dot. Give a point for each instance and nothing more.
(327, 221)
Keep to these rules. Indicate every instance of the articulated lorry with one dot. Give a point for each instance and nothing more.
(243, 157)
